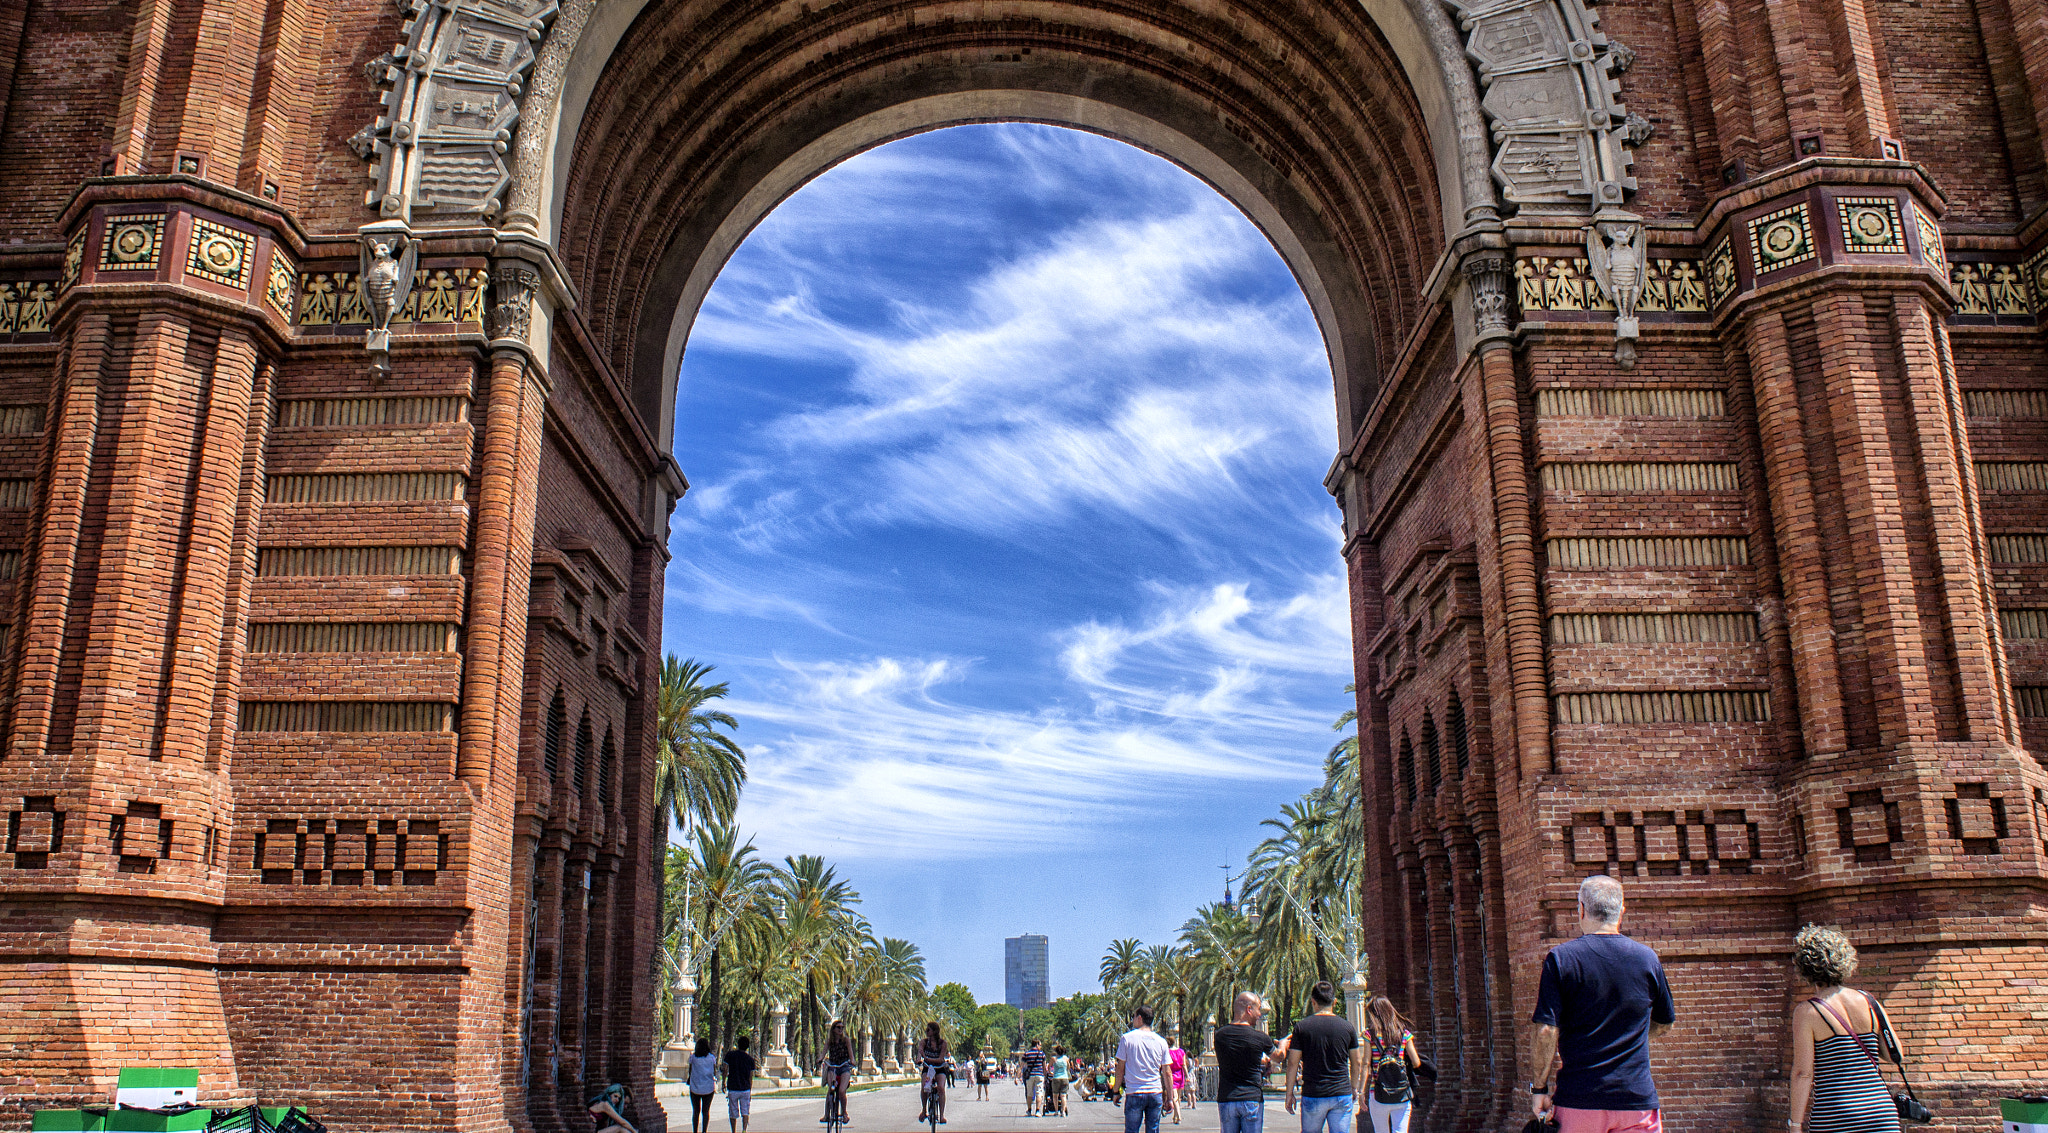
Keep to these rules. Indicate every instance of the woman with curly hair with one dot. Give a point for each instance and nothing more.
(1836, 1083)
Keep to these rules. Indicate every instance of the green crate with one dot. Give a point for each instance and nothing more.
(2023, 1112)
(67, 1121)
(143, 1121)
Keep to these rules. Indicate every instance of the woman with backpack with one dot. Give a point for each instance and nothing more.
(1390, 1074)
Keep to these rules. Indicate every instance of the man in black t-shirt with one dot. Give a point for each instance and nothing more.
(1241, 1067)
(1602, 999)
(739, 1084)
(1324, 1053)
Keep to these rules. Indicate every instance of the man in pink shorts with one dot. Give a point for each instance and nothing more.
(1602, 999)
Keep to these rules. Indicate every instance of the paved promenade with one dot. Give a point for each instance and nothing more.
(893, 1109)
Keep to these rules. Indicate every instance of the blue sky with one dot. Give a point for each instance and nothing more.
(1006, 527)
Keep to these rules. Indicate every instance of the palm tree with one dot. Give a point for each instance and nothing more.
(699, 769)
(1120, 963)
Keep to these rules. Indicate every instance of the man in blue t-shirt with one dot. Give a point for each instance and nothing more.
(1603, 998)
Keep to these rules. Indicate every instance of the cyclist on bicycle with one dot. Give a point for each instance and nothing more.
(934, 1057)
(838, 1071)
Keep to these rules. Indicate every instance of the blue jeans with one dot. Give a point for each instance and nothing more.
(1325, 1115)
(1242, 1117)
(1142, 1109)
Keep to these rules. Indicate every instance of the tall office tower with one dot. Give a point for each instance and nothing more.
(1027, 972)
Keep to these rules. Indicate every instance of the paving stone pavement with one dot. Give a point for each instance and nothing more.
(893, 1109)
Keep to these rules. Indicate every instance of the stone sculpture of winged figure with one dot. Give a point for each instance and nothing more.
(1614, 250)
(389, 257)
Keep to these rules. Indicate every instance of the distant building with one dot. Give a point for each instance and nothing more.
(1027, 972)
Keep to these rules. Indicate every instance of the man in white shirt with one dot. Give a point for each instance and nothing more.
(1139, 1056)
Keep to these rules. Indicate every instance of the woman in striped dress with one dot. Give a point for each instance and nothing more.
(1836, 1083)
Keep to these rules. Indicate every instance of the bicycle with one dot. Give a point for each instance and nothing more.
(932, 1097)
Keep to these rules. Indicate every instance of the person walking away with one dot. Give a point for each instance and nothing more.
(1391, 1065)
(838, 1072)
(1243, 1059)
(1140, 1059)
(1326, 1061)
(739, 1085)
(934, 1059)
(1602, 998)
(1177, 1060)
(1062, 1071)
(703, 1086)
(1032, 1066)
(1837, 1086)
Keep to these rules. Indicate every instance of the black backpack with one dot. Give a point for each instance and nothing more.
(1391, 1084)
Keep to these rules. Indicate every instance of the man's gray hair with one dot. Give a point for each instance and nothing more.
(1600, 897)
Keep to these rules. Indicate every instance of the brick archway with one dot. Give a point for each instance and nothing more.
(694, 128)
(321, 603)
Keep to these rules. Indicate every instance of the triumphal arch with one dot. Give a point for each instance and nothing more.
(1694, 403)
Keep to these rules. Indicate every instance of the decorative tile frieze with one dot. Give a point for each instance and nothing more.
(1565, 284)
(1994, 293)
(1777, 240)
(1871, 226)
(439, 296)
(74, 261)
(1664, 843)
(219, 254)
(1721, 277)
(278, 290)
(27, 307)
(132, 243)
(1931, 250)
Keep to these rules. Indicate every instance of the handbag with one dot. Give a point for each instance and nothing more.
(1909, 1107)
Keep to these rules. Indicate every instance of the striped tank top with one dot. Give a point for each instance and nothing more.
(1849, 1095)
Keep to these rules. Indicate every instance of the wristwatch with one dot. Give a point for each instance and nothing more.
(1539, 1089)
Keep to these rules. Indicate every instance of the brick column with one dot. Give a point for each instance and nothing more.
(132, 612)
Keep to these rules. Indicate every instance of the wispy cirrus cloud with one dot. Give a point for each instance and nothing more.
(890, 757)
(1008, 532)
(1111, 371)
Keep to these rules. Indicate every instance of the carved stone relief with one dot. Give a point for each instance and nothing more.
(1560, 131)
(455, 83)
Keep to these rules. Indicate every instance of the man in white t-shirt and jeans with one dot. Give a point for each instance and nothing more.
(1139, 1056)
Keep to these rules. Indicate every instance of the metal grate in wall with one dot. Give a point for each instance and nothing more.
(311, 413)
(346, 716)
(16, 420)
(17, 493)
(352, 637)
(365, 487)
(1640, 477)
(1630, 403)
(293, 562)
(1638, 629)
(10, 564)
(2032, 699)
(1648, 551)
(1663, 707)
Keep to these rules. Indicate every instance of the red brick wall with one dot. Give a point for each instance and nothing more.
(1757, 625)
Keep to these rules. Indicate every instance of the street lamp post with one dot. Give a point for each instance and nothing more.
(1357, 965)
